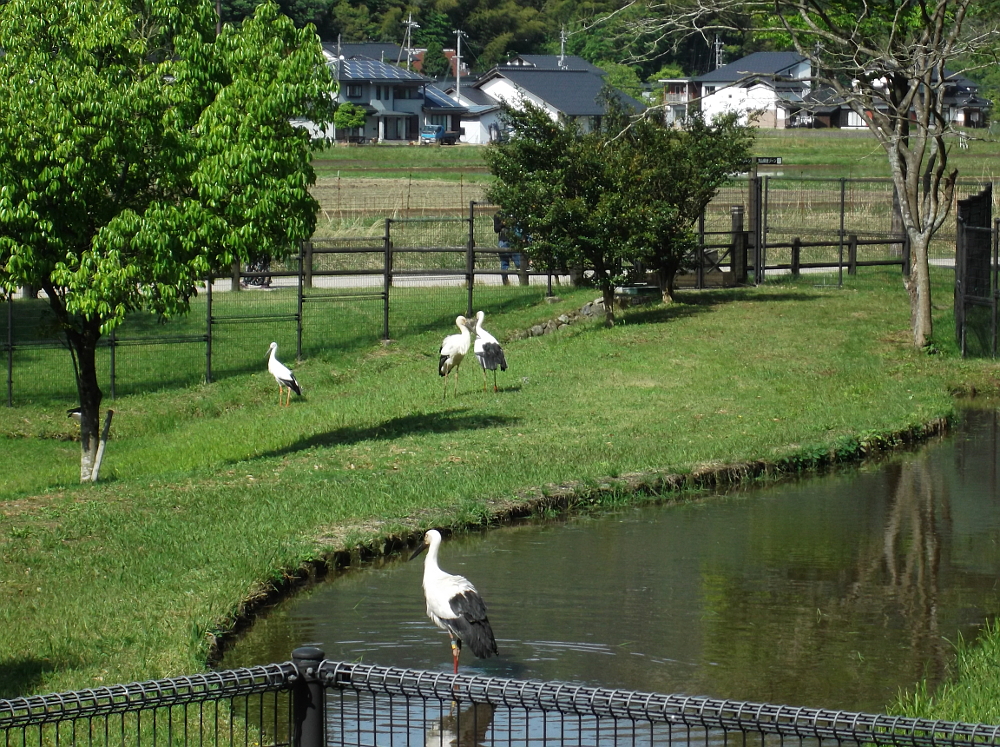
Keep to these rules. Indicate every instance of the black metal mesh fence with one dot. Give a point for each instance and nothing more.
(315, 703)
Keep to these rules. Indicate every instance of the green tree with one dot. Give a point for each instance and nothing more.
(889, 62)
(138, 152)
(302, 12)
(668, 177)
(348, 117)
(557, 186)
(435, 64)
(622, 77)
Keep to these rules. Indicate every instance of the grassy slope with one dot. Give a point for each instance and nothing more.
(215, 491)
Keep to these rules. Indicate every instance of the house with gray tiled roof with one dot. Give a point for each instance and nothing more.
(553, 62)
(397, 102)
(773, 83)
(563, 93)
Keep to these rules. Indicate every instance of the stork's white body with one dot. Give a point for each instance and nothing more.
(488, 351)
(282, 374)
(454, 348)
(454, 605)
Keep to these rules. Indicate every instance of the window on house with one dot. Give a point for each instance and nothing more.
(354, 91)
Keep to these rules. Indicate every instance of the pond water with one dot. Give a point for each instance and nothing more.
(833, 591)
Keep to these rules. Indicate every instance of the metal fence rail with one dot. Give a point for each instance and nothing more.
(311, 702)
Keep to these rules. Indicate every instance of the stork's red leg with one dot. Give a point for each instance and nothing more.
(455, 650)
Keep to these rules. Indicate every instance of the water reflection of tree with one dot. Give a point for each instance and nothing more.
(906, 569)
(862, 608)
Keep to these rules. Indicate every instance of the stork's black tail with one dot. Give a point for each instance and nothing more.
(492, 357)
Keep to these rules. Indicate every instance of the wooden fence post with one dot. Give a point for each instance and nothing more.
(852, 254)
(738, 245)
(796, 256)
(307, 263)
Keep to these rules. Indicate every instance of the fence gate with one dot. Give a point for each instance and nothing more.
(975, 275)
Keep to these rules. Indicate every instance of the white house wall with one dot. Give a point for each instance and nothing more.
(477, 131)
(743, 100)
(501, 89)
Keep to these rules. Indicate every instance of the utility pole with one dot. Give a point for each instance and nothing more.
(458, 64)
(718, 52)
(336, 68)
(410, 25)
(218, 13)
(562, 47)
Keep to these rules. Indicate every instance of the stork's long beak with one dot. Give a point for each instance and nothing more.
(420, 548)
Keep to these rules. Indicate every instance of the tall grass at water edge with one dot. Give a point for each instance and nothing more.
(215, 493)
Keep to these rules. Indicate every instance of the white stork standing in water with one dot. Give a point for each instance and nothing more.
(488, 351)
(454, 605)
(282, 374)
(453, 350)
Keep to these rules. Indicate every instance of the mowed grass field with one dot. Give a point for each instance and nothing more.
(215, 495)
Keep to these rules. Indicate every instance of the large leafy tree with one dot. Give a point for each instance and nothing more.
(138, 152)
(556, 185)
(890, 62)
(669, 176)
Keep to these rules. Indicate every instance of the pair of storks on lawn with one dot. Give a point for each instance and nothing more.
(456, 347)
(453, 351)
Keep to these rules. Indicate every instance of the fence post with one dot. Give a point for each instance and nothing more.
(738, 252)
(308, 702)
(386, 278)
(307, 248)
(236, 274)
(840, 233)
(111, 340)
(470, 257)
(298, 321)
(852, 254)
(796, 256)
(701, 251)
(10, 349)
(208, 329)
(754, 220)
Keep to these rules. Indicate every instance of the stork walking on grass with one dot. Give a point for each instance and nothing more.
(488, 351)
(454, 605)
(454, 348)
(282, 374)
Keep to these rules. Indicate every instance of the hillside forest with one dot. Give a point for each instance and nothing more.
(495, 30)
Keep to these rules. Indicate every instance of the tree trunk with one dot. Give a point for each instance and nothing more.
(608, 294)
(85, 348)
(665, 281)
(918, 285)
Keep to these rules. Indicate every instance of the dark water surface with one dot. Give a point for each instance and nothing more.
(833, 591)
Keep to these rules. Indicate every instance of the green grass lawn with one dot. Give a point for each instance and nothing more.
(214, 493)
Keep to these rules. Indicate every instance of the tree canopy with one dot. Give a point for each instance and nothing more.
(611, 199)
(138, 152)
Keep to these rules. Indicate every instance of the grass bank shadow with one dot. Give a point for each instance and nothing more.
(689, 303)
(433, 422)
(20, 676)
